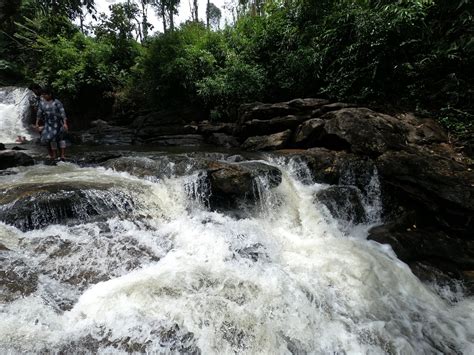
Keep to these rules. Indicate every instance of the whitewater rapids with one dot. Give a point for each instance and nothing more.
(175, 277)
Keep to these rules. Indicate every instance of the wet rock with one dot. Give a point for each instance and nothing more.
(234, 184)
(32, 206)
(309, 132)
(16, 278)
(105, 134)
(2, 146)
(442, 187)
(173, 140)
(254, 252)
(362, 131)
(18, 148)
(333, 167)
(10, 159)
(94, 158)
(162, 166)
(223, 140)
(428, 245)
(344, 203)
(270, 142)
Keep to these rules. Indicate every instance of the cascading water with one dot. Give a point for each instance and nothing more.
(176, 277)
(14, 113)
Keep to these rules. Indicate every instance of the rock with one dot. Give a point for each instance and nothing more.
(176, 140)
(16, 278)
(270, 142)
(261, 111)
(223, 140)
(94, 158)
(333, 167)
(32, 206)
(258, 127)
(206, 128)
(344, 203)
(234, 184)
(422, 131)
(443, 188)
(235, 158)
(159, 167)
(2, 146)
(415, 245)
(16, 148)
(10, 159)
(308, 104)
(309, 132)
(330, 107)
(362, 131)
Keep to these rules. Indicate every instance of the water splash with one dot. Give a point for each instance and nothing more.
(14, 114)
(286, 279)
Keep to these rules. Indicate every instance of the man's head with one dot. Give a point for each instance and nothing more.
(47, 94)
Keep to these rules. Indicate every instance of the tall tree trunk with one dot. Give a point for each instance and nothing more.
(196, 16)
(163, 13)
(171, 20)
(207, 13)
(144, 20)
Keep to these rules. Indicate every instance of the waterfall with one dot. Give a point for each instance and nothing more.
(173, 276)
(14, 114)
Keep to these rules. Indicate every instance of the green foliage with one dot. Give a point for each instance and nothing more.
(417, 54)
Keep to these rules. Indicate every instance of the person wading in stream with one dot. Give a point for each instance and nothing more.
(51, 112)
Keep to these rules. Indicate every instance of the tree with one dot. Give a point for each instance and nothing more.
(213, 15)
(166, 9)
(119, 24)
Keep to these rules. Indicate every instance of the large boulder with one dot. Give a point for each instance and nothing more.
(442, 187)
(422, 130)
(433, 254)
(309, 133)
(261, 111)
(10, 159)
(234, 184)
(362, 131)
(269, 142)
(333, 167)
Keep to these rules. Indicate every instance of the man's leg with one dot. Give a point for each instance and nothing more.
(62, 148)
(52, 149)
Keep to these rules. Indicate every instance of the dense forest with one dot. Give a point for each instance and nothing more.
(407, 54)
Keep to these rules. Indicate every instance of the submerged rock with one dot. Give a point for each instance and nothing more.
(32, 206)
(16, 278)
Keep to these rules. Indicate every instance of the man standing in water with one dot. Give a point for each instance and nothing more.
(51, 112)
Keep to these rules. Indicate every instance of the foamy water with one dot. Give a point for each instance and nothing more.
(177, 277)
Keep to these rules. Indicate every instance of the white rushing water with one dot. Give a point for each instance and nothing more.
(14, 111)
(175, 277)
